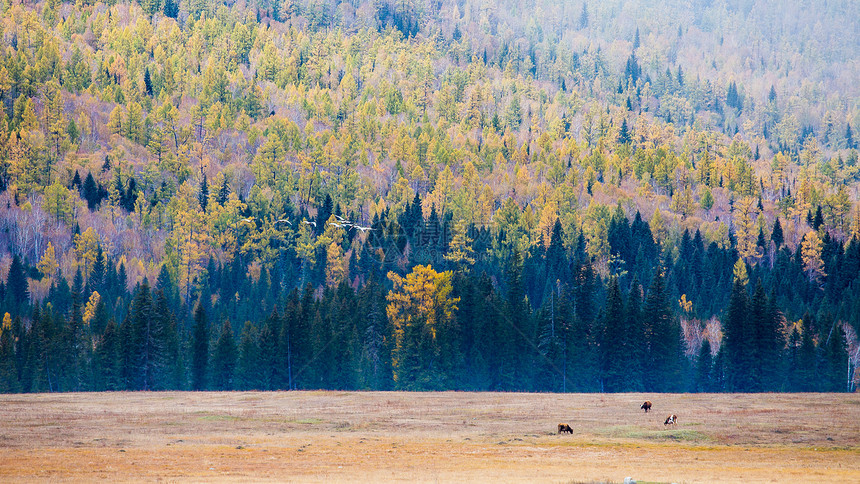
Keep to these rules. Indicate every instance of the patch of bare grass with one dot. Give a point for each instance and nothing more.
(673, 434)
(308, 421)
(218, 418)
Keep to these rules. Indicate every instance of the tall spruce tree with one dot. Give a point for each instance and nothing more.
(8, 371)
(288, 338)
(17, 287)
(90, 192)
(268, 344)
(249, 369)
(200, 350)
(172, 364)
(834, 361)
(521, 328)
(76, 346)
(107, 371)
(776, 234)
(583, 374)
(704, 368)
(769, 340)
(551, 341)
(613, 347)
(663, 335)
(148, 346)
(634, 338)
(203, 194)
(224, 359)
(804, 377)
(739, 350)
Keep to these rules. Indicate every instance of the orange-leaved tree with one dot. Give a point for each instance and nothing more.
(421, 310)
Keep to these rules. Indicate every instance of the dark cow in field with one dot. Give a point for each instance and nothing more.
(646, 406)
(563, 427)
(671, 420)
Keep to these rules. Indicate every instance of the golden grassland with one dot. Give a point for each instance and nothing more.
(427, 437)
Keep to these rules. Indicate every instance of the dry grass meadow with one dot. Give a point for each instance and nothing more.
(427, 437)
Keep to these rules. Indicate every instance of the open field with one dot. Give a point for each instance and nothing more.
(428, 437)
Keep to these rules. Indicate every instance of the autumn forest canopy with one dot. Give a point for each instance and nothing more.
(573, 196)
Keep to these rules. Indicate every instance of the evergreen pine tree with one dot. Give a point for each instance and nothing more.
(550, 346)
(107, 372)
(613, 350)
(200, 350)
(663, 335)
(286, 331)
(40, 356)
(171, 8)
(521, 327)
(776, 234)
(148, 348)
(740, 366)
(770, 344)
(76, 181)
(301, 338)
(203, 194)
(170, 365)
(375, 366)
(324, 211)
(249, 370)
(806, 372)
(268, 344)
(90, 192)
(583, 357)
(704, 368)
(718, 375)
(792, 357)
(224, 359)
(147, 81)
(73, 351)
(223, 192)
(17, 286)
(412, 372)
(46, 339)
(29, 360)
(8, 372)
(624, 133)
(122, 281)
(819, 219)
(758, 345)
(634, 338)
(835, 375)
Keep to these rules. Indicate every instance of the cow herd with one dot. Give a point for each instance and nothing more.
(672, 419)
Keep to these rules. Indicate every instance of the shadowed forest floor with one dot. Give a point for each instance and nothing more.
(428, 437)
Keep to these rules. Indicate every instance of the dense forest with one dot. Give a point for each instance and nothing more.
(572, 196)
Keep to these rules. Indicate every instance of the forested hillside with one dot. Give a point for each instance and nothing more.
(615, 195)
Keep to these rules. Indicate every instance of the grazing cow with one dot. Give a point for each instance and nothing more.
(646, 406)
(671, 420)
(563, 427)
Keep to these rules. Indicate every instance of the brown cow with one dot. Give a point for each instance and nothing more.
(563, 427)
(646, 406)
(671, 420)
